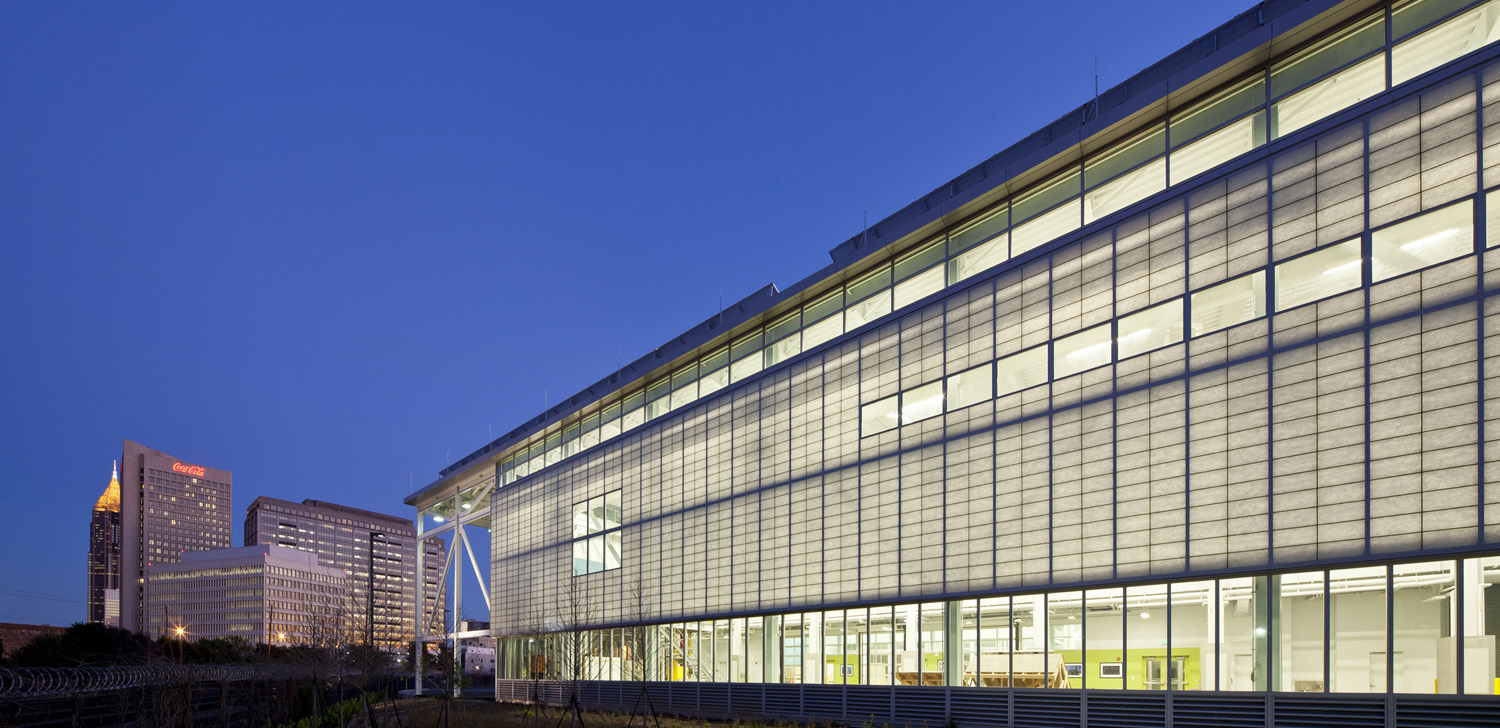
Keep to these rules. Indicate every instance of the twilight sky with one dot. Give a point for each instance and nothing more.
(334, 247)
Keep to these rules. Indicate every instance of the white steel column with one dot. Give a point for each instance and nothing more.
(469, 548)
(418, 623)
(458, 598)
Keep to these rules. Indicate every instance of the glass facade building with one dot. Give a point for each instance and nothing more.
(1179, 412)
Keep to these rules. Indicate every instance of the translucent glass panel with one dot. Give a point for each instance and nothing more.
(1244, 634)
(1125, 190)
(1424, 240)
(834, 659)
(971, 387)
(1229, 303)
(1124, 157)
(1064, 639)
(758, 668)
(1319, 274)
(1194, 636)
(813, 649)
(1021, 371)
(867, 310)
(922, 402)
(918, 286)
(1214, 112)
(1299, 620)
(1481, 625)
(823, 330)
(1146, 664)
(1046, 227)
(933, 642)
(856, 648)
(1083, 350)
(1339, 91)
(880, 415)
(1410, 16)
(1423, 621)
(1328, 54)
(791, 648)
(979, 259)
(880, 664)
(995, 633)
(908, 650)
(1104, 627)
(1236, 138)
(1466, 32)
(786, 348)
(967, 651)
(1357, 630)
(1029, 644)
(1150, 329)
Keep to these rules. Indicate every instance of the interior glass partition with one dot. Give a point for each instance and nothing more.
(995, 634)
(1147, 663)
(1481, 601)
(908, 651)
(1193, 629)
(836, 664)
(1299, 619)
(1104, 628)
(882, 644)
(1357, 630)
(791, 648)
(1422, 628)
(933, 642)
(1064, 638)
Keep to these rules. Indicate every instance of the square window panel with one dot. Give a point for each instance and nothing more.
(879, 416)
(1229, 303)
(1081, 351)
(1322, 273)
(1021, 371)
(922, 402)
(867, 310)
(1150, 329)
(1424, 240)
(971, 387)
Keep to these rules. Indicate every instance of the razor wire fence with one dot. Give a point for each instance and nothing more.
(37, 682)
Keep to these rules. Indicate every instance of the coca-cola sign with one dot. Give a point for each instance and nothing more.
(196, 471)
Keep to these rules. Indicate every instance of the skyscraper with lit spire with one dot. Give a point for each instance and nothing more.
(104, 552)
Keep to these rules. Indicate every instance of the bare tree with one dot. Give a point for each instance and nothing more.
(318, 631)
(642, 644)
(576, 615)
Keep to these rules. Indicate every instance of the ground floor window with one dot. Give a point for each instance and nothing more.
(1412, 627)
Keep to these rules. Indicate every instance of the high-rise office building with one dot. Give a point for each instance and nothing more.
(267, 594)
(1184, 410)
(104, 553)
(378, 553)
(168, 507)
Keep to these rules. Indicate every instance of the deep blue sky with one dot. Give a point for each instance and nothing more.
(332, 247)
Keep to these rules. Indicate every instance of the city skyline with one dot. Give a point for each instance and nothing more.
(294, 252)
